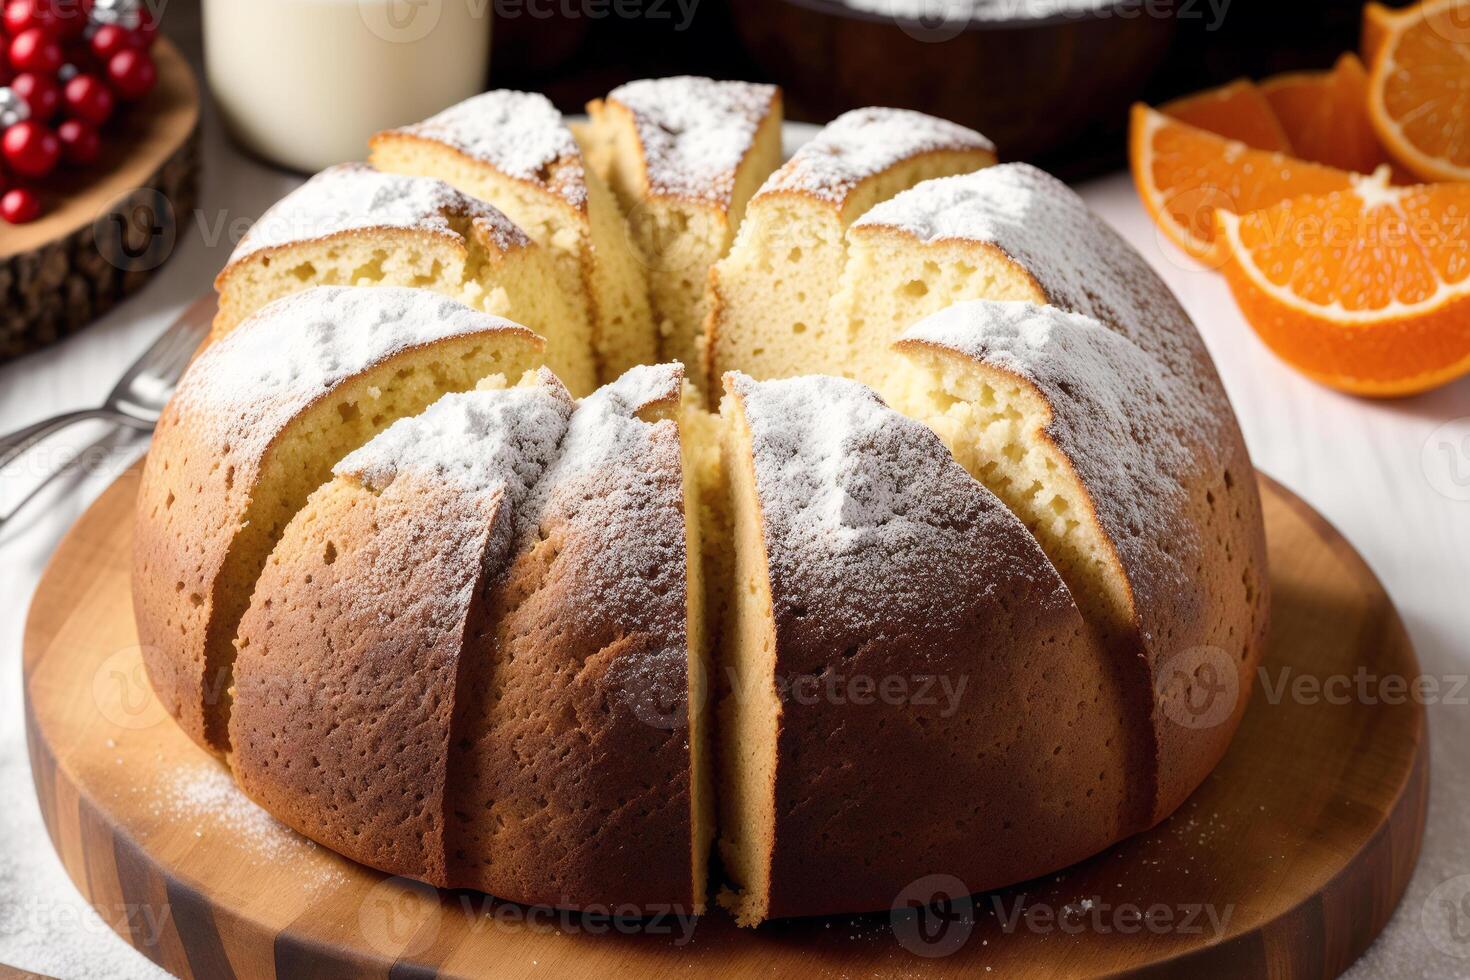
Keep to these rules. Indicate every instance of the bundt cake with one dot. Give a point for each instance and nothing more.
(684, 155)
(514, 150)
(973, 496)
(351, 225)
(257, 423)
(768, 297)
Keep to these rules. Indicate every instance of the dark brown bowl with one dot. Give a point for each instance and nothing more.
(1032, 86)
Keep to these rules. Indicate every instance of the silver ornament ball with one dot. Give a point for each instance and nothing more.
(127, 14)
(13, 109)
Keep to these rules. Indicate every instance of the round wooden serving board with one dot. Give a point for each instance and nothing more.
(107, 227)
(1286, 862)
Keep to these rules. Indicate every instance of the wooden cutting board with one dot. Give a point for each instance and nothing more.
(1286, 862)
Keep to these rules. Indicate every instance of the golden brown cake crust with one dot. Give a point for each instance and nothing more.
(571, 743)
(889, 565)
(350, 656)
(207, 455)
(342, 715)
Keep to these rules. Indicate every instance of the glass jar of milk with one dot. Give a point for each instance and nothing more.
(304, 83)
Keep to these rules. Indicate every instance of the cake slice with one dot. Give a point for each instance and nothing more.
(1083, 435)
(883, 598)
(513, 150)
(257, 423)
(684, 155)
(768, 297)
(581, 743)
(353, 226)
(415, 522)
(1013, 232)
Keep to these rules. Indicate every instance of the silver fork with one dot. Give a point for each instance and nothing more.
(135, 401)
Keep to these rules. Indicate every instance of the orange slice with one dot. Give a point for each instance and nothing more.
(1419, 86)
(1184, 174)
(1366, 290)
(1325, 115)
(1238, 111)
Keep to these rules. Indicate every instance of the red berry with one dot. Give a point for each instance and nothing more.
(131, 73)
(19, 205)
(35, 50)
(39, 92)
(31, 149)
(89, 100)
(109, 39)
(21, 15)
(80, 143)
(72, 17)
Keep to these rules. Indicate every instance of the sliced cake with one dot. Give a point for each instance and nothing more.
(1094, 444)
(257, 423)
(580, 746)
(897, 644)
(684, 155)
(513, 150)
(354, 226)
(768, 297)
(423, 517)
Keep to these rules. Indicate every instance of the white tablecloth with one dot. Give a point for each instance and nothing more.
(1362, 464)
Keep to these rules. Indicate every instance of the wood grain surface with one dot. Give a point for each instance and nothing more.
(110, 226)
(1286, 862)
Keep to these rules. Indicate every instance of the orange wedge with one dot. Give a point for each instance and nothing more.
(1325, 115)
(1377, 25)
(1419, 85)
(1184, 174)
(1238, 111)
(1366, 290)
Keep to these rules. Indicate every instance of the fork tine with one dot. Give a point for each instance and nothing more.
(164, 361)
(184, 341)
(179, 340)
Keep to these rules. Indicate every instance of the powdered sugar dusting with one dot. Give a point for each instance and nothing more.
(205, 799)
(982, 11)
(858, 144)
(483, 442)
(520, 134)
(619, 481)
(1079, 261)
(865, 511)
(695, 131)
(297, 348)
(355, 197)
(1115, 415)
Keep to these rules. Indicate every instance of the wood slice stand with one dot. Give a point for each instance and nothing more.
(1286, 862)
(111, 225)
